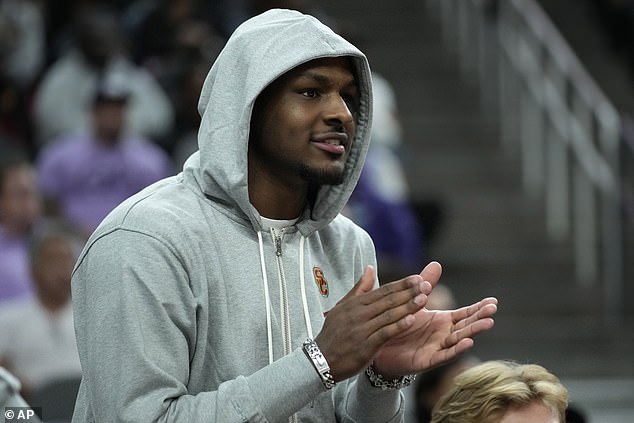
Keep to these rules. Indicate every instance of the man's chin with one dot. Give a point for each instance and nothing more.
(323, 176)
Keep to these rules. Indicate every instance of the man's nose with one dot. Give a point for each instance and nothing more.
(337, 111)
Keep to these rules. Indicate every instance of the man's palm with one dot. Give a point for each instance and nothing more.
(436, 337)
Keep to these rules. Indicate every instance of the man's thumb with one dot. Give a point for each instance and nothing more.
(366, 282)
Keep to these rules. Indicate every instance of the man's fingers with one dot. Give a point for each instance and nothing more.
(408, 283)
(486, 312)
(385, 332)
(388, 304)
(432, 272)
(468, 332)
(474, 310)
(364, 284)
(390, 308)
(451, 351)
(470, 321)
(462, 346)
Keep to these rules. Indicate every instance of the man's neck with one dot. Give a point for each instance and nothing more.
(277, 200)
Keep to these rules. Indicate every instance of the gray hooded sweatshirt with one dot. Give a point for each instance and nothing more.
(186, 308)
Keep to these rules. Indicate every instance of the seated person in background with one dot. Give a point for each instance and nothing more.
(87, 174)
(97, 48)
(20, 209)
(503, 392)
(37, 338)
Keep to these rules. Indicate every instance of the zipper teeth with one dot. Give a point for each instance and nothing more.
(286, 330)
(286, 321)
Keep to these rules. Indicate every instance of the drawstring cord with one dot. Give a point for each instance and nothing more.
(302, 284)
(265, 282)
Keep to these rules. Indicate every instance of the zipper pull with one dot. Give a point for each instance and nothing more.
(278, 245)
(278, 241)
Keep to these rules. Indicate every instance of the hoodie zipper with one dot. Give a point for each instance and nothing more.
(285, 315)
(284, 309)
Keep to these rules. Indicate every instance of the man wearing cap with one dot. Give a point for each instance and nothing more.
(87, 174)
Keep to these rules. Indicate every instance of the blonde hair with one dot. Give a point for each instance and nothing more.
(483, 393)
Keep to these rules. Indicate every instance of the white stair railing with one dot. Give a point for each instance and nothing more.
(553, 114)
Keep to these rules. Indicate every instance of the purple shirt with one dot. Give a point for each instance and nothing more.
(89, 180)
(15, 274)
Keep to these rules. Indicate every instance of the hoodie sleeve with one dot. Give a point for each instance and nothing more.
(366, 403)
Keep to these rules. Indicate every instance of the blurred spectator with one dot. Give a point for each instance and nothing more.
(176, 42)
(161, 29)
(20, 209)
(380, 203)
(22, 41)
(37, 338)
(88, 174)
(62, 100)
(15, 128)
(22, 59)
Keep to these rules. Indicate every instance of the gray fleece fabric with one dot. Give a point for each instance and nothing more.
(169, 295)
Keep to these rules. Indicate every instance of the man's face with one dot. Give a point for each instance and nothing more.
(109, 120)
(303, 124)
(20, 201)
(52, 269)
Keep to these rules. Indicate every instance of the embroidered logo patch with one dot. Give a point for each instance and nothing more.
(321, 281)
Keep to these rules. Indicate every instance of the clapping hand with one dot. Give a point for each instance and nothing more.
(435, 336)
(390, 326)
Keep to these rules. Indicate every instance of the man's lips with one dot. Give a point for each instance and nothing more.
(332, 142)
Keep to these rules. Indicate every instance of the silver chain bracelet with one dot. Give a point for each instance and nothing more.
(376, 379)
(312, 351)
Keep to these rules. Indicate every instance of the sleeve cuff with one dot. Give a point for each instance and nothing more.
(369, 404)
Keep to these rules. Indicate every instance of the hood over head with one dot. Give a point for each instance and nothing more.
(259, 51)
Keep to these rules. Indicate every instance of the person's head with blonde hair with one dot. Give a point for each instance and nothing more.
(503, 392)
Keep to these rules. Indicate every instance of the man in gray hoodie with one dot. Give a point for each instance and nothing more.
(235, 291)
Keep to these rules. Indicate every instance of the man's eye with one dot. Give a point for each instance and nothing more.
(310, 93)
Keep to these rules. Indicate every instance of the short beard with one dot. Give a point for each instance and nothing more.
(321, 176)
